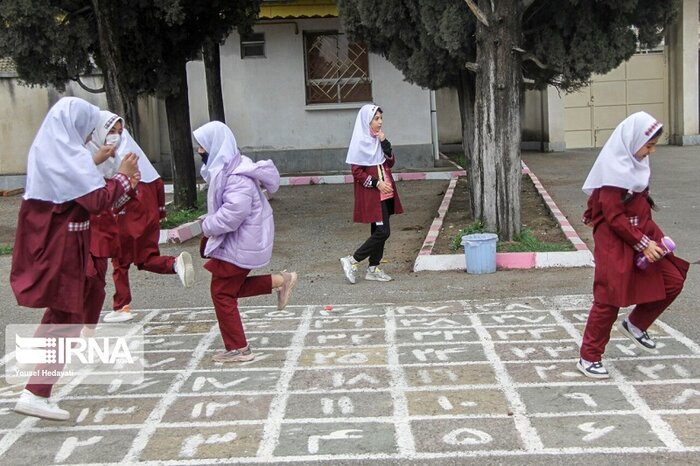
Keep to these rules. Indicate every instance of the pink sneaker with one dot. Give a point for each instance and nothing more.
(237, 355)
(285, 291)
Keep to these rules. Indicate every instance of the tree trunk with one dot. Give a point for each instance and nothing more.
(177, 108)
(212, 69)
(496, 170)
(465, 93)
(119, 99)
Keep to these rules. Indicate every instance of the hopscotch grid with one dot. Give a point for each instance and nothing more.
(397, 386)
(427, 456)
(168, 398)
(424, 388)
(657, 425)
(273, 424)
(544, 300)
(18, 432)
(390, 419)
(561, 322)
(528, 434)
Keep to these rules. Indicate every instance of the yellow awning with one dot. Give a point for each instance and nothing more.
(298, 9)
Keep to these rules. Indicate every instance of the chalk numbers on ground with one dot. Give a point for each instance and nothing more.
(433, 380)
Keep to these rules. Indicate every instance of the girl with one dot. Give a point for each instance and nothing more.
(138, 222)
(619, 210)
(376, 197)
(240, 231)
(50, 260)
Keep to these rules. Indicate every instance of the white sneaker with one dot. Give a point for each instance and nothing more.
(594, 370)
(184, 269)
(349, 268)
(120, 315)
(38, 406)
(377, 274)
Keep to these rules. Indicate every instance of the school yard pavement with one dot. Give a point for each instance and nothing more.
(448, 382)
(453, 369)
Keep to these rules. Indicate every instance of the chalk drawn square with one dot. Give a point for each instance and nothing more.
(457, 402)
(681, 396)
(341, 438)
(216, 442)
(573, 399)
(465, 435)
(442, 375)
(324, 379)
(219, 408)
(340, 405)
(596, 431)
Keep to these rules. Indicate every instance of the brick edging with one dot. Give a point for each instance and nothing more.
(582, 257)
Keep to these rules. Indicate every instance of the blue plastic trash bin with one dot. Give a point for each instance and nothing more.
(480, 252)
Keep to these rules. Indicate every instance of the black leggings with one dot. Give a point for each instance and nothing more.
(374, 246)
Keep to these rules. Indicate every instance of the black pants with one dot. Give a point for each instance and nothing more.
(374, 246)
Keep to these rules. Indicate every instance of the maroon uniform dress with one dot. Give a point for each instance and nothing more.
(368, 207)
(51, 261)
(104, 243)
(139, 231)
(621, 231)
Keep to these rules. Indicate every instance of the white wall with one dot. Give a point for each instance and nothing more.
(23, 110)
(265, 105)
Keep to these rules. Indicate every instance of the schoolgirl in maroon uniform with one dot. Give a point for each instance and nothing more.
(50, 260)
(619, 210)
(138, 223)
(376, 198)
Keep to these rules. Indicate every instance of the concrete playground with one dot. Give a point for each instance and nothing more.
(431, 368)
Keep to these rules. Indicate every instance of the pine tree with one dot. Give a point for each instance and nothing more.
(141, 48)
(486, 49)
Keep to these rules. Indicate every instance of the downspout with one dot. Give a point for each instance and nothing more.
(434, 126)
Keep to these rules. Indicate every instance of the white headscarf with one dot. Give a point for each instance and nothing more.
(218, 140)
(365, 149)
(126, 144)
(59, 166)
(616, 164)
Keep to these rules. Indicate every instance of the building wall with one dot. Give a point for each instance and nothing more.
(264, 100)
(24, 108)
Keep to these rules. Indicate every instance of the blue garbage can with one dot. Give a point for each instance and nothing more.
(480, 252)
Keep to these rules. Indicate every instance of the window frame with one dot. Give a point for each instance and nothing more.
(248, 41)
(339, 102)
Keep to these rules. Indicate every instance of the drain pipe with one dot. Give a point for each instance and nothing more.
(434, 126)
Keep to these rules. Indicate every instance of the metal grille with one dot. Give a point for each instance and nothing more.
(337, 70)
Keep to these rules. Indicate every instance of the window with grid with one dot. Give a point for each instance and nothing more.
(337, 70)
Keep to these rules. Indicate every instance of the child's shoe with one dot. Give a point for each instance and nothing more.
(594, 370)
(38, 406)
(377, 274)
(285, 291)
(349, 268)
(184, 269)
(119, 315)
(644, 341)
(237, 355)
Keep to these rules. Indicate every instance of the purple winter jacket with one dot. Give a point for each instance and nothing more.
(239, 221)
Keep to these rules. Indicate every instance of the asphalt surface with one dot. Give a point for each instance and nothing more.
(314, 230)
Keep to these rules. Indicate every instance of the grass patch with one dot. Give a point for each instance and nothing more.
(176, 217)
(5, 250)
(524, 242)
(476, 227)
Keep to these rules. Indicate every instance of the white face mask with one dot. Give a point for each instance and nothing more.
(113, 139)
